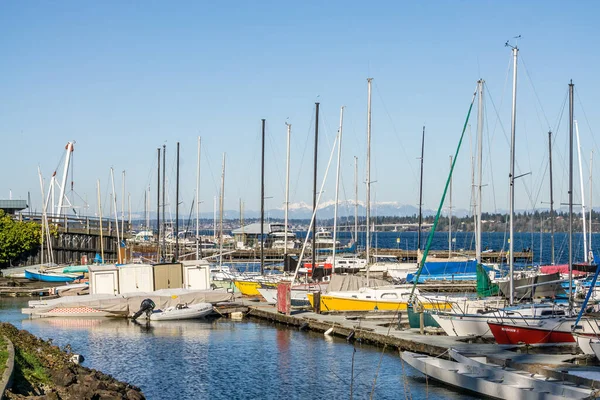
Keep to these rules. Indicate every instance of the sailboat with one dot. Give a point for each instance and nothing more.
(246, 285)
(49, 272)
(558, 329)
(370, 294)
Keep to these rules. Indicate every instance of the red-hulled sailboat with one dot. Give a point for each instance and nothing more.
(547, 330)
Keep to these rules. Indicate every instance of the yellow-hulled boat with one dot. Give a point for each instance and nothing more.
(250, 288)
(394, 298)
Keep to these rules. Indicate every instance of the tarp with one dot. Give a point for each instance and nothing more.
(449, 267)
(344, 283)
(128, 304)
(447, 271)
(562, 269)
(485, 287)
(548, 290)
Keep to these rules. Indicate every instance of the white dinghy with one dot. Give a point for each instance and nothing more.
(182, 311)
(494, 381)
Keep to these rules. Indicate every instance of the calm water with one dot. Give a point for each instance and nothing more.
(230, 360)
(539, 243)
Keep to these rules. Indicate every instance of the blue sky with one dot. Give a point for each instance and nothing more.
(123, 78)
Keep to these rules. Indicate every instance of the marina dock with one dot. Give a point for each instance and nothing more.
(380, 328)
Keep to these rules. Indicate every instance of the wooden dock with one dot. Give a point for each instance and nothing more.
(21, 287)
(380, 328)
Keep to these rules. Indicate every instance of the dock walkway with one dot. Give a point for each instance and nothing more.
(380, 328)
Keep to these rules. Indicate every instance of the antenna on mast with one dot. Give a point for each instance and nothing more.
(516, 46)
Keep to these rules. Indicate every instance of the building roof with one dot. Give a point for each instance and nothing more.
(13, 205)
(254, 229)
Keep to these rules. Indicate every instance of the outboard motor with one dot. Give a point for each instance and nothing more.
(147, 307)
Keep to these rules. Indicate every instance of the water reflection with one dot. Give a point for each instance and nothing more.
(224, 359)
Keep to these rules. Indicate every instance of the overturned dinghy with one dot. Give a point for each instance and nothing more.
(494, 381)
(182, 311)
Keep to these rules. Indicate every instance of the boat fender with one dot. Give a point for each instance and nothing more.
(329, 331)
(304, 326)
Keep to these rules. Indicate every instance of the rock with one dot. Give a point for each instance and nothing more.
(133, 394)
(68, 380)
(63, 377)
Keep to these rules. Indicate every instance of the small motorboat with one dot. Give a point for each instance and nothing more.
(182, 311)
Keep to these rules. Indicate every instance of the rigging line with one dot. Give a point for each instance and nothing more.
(489, 157)
(275, 159)
(402, 146)
(439, 211)
(300, 170)
(498, 120)
(248, 181)
(212, 175)
(586, 119)
(534, 91)
(531, 189)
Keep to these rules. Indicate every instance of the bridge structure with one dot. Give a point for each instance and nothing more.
(78, 239)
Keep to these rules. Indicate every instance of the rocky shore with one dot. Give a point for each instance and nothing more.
(45, 371)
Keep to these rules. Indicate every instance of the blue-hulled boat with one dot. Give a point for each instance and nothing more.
(50, 276)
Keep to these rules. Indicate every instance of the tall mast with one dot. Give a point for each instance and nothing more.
(164, 185)
(101, 227)
(148, 208)
(511, 176)
(158, 252)
(480, 169)
(337, 188)
(129, 209)
(198, 202)
(421, 191)
(215, 218)
(45, 220)
(450, 214)
(314, 227)
(356, 200)
(368, 206)
(262, 201)
(287, 189)
(63, 186)
(177, 209)
(112, 176)
(591, 256)
(571, 86)
(123, 206)
(583, 216)
(551, 197)
(221, 216)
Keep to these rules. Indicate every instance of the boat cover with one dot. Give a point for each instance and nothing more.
(344, 283)
(543, 286)
(127, 304)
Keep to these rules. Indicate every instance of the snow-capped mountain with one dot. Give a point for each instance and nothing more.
(303, 210)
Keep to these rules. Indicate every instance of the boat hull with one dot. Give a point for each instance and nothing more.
(48, 277)
(334, 303)
(194, 311)
(492, 381)
(528, 334)
(250, 288)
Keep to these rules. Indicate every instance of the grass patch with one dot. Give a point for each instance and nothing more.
(30, 367)
(3, 355)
